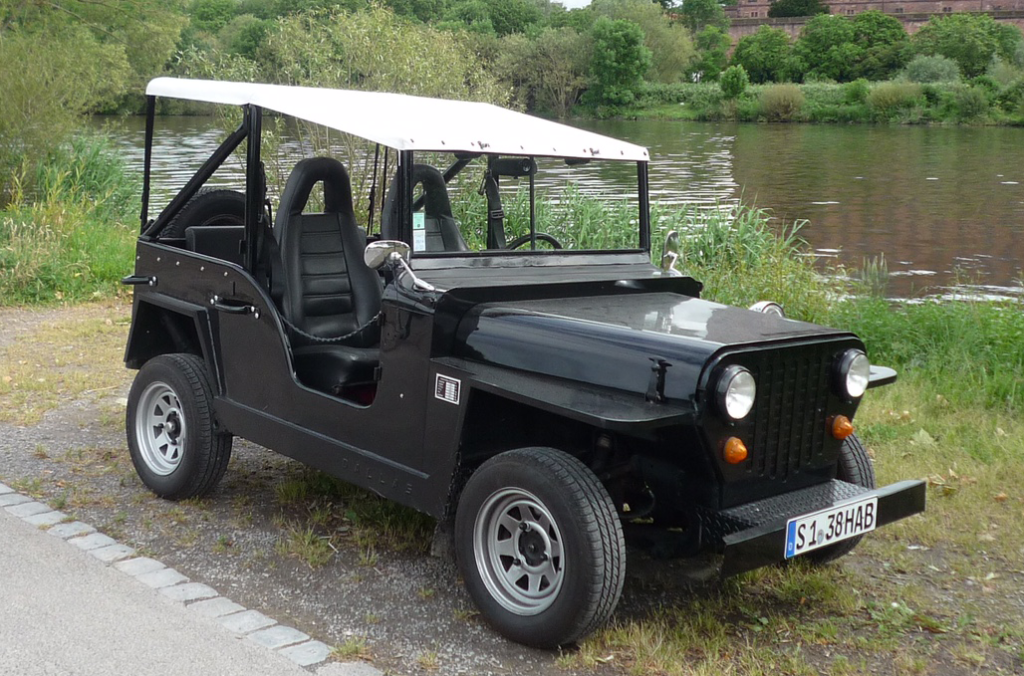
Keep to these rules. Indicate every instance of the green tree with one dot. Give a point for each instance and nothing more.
(969, 39)
(784, 8)
(885, 43)
(765, 55)
(562, 56)
(512, 16)
(50, 78)
(244, 34)
(211, 15)
(827, 45)
(697, 14)
(734, 82)
(713, 45)
(619, 62)
(672, 50)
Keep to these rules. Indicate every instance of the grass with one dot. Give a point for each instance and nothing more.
(72, 237)
(56, 362)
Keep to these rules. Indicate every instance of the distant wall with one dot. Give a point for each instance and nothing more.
(750, 15)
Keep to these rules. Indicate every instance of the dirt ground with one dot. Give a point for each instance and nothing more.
(385, 600)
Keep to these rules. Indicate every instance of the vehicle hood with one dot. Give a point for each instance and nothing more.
(618, 340)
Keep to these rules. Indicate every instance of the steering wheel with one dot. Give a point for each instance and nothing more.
(540, 236)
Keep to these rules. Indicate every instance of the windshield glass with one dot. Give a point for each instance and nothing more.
(495, 204)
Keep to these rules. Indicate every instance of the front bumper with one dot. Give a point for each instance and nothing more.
(754, 535)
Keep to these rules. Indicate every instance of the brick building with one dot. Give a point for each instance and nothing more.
(758, 9)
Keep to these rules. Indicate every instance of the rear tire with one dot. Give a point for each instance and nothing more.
(540, 546)
(854, 468)
(209, 206)
(175, 446)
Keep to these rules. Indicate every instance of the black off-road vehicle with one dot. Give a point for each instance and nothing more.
(526, 375)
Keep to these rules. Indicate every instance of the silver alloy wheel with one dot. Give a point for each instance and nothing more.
(160, 428)
(518, 551)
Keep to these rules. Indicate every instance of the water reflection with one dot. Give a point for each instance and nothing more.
(944, 205)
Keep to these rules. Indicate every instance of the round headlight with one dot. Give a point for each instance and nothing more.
(854, 373)
(769, 308)
(736, 390)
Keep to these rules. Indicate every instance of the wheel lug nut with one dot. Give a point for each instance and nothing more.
(523, 526)
(517, 562)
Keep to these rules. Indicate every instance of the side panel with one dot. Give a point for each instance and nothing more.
(379, 447)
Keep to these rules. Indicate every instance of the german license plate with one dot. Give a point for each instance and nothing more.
(820, 529)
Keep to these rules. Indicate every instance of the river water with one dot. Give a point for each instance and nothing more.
(944, 205)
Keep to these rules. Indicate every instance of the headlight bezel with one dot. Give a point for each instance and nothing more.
(732, 381)
(852, 374)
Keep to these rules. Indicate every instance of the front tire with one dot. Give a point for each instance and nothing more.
(540, 546)
(854, 468)
(176, 449)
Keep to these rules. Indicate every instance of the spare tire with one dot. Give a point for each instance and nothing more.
(210, 206)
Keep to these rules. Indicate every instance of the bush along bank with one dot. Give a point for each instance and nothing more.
(981, 101)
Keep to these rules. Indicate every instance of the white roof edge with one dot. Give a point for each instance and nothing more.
(409, 122)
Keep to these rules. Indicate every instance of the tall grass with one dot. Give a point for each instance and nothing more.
(69, 239)
(743, 254)
(971, 352)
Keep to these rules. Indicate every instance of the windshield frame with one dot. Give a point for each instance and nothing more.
(406, 202)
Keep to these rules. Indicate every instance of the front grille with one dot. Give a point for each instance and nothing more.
(790, 410)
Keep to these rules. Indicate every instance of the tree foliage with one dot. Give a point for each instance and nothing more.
(698, 14)
(619, 63)
(786, 8)
(734, 82)
(765, 55)
(712, 45)
(972, 40)
(672, 50)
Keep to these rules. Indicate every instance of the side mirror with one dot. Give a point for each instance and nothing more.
(395, 253)
(378, 253)
(670, 251)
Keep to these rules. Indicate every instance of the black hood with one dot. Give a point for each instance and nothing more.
(614, 340)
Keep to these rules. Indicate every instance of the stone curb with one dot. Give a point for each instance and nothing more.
(264, 631)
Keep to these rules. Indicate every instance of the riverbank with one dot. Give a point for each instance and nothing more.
(982, 102)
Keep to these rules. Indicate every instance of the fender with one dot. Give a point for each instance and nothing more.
(161, 324)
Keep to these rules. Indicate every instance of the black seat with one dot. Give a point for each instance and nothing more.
(441, 230)
(328, 290)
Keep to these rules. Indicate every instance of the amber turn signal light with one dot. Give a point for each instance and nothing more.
(841, 427)
(735, 451)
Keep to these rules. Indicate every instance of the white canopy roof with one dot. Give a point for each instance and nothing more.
(410, 122)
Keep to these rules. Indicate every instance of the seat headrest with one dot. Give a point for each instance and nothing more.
(306, 174)
(435, 192)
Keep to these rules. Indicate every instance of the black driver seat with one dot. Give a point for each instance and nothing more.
(441, 230)
(328, 290)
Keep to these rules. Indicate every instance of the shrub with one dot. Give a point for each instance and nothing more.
(971, 103)
(733, 82)
(781, 102)
(889, 97)
(856, 91)
(924, 68)
(1011, 96)
(1002, 72)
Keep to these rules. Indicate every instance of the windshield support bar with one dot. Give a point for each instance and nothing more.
(404, 175)
(255, 179)
(147, 161)
(198, 179)
(645, 206)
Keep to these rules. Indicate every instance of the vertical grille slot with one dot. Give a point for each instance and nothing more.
(789, 430)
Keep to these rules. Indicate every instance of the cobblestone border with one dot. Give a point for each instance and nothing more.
(253, 625)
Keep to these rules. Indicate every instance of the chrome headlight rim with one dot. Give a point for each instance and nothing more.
(853, 372)
(768, 307)
(735, 393)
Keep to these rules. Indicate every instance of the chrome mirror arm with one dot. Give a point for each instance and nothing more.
(396, 259)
